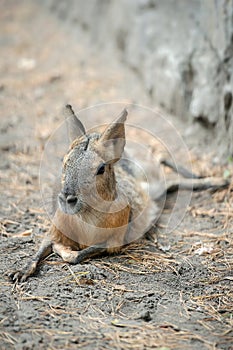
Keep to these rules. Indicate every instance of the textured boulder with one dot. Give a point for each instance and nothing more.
(182, 51)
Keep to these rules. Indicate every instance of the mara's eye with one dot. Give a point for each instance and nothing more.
(100, 169)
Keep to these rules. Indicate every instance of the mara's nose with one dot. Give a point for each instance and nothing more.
(70, 199)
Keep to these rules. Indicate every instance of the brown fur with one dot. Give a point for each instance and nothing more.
(98, 212)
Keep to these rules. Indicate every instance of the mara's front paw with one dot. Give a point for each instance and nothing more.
(22, 275)
(19, 276)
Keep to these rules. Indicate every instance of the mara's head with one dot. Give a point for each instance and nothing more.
(88, 168)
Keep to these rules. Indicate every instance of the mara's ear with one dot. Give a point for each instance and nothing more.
(112, 142)
(74, 126)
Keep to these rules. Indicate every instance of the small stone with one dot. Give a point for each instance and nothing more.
(146, 316)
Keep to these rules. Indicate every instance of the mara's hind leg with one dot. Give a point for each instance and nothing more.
(190, 181)
(177, 168)
(192, 184)
(189, 184)
(30, 268)
(196, 184)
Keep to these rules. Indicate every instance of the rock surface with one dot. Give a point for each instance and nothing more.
(182, 51)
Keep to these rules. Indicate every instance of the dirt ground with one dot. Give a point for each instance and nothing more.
(140, 299)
